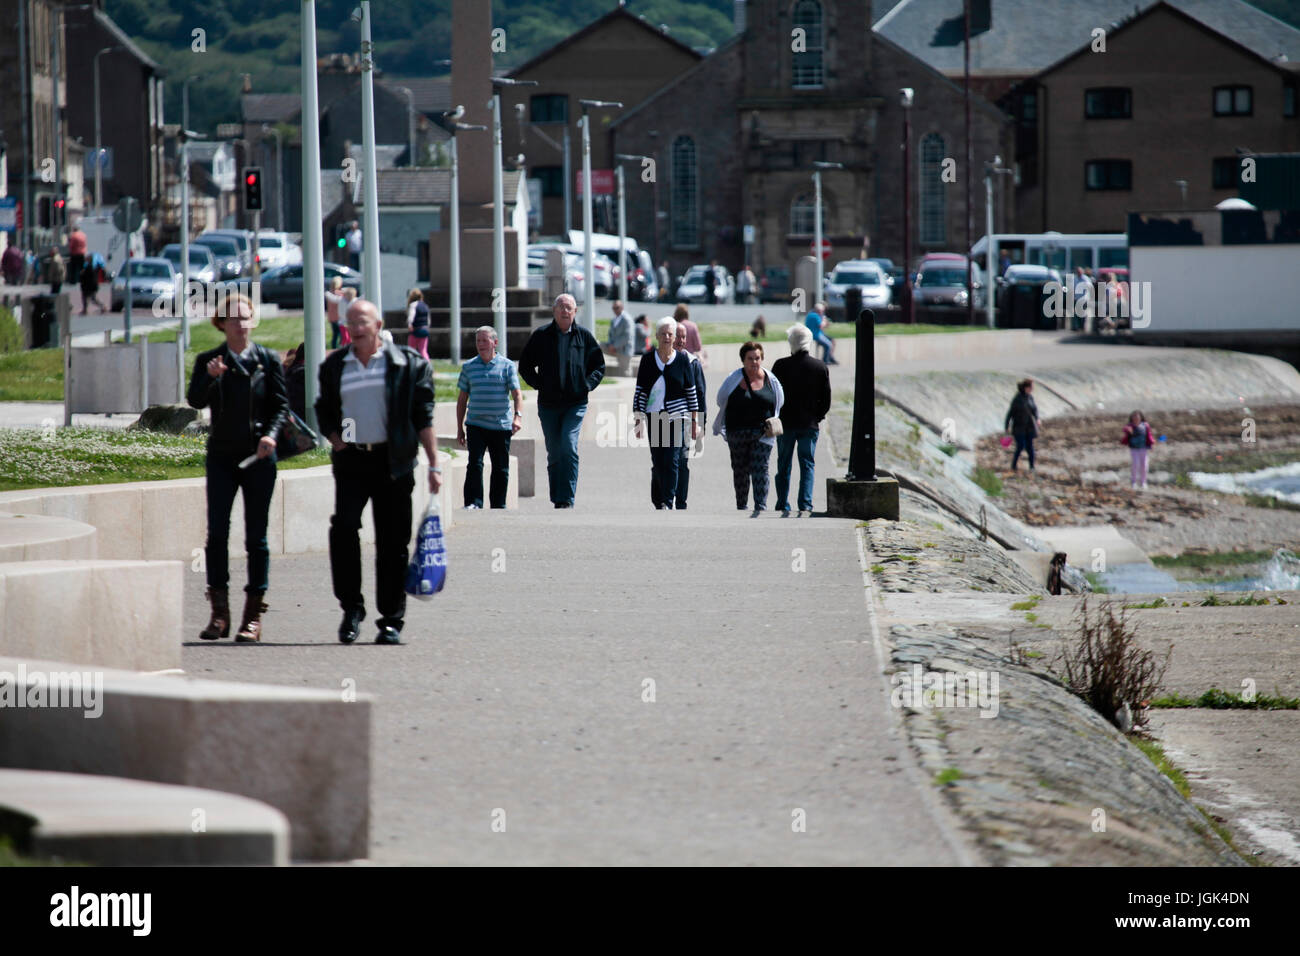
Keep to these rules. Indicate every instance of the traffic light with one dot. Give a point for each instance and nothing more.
(340, 235)
(44, 218)
(252, 189)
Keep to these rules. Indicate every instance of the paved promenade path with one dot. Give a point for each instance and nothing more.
(523, 687)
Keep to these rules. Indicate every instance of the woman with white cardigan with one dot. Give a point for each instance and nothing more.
(665, 397)
(747, 399)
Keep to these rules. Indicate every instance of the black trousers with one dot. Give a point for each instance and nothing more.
(496, 442)
(225, 480)
(361, 476)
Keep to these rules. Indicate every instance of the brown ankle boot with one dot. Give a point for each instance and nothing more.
(250, 629)
(219, 626)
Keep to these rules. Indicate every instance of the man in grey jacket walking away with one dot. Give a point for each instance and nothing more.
(807, 384)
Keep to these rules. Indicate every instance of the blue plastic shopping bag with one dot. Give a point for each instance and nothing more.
(427, 572)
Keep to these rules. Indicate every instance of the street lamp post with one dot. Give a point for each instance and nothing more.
(99, 146)
(817, 227)
(990, 282)
(453, 126)
(909, 306)
(589, 280)
(313, 253)
(370, 240)
(184, 159)
(499, 213)
(622, 218)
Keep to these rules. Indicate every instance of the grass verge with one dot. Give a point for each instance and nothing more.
(31, 458)
(989, 480)
(1215, 699)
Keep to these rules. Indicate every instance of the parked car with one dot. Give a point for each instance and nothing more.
(641, 283)
(242, 238)
(276, 249)
(203, 267)
(691, 287)
(148, 279)
(282, 285)
(229, 261)
(602, 270)
(645, 267)
(941, 282)
(1021, 274)
(862, 274)
(774, 285)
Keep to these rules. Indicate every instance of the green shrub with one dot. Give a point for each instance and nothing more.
(989, 480)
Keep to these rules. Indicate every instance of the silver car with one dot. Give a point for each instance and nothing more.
(691, 287)
(863, 274)
(203, 265)
(149, 279)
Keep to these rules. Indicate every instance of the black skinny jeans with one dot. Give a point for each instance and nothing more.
(225, 479)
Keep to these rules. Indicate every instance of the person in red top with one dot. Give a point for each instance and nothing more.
(76, 256)
(1139, 437)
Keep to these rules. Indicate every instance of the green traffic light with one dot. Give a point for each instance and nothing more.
(342, 242)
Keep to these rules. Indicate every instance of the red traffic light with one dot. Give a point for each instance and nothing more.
(252, 178)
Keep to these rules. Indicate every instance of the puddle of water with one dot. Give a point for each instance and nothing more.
(1282, 482)
(1281, 573)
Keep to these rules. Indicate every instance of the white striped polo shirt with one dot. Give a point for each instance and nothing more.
(361, 389)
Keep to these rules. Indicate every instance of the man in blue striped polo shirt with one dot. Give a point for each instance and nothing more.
(488, 385)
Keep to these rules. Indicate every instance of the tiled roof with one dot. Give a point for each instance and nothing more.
(429, 94)
(106, 22)
(424, 186)
(270, 107)
(1028, 36)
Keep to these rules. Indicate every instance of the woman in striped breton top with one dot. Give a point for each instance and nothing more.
(665, 397)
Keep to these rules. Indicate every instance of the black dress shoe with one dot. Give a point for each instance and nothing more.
(350, 628)
(388, 635)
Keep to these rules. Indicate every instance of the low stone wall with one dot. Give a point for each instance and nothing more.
(966, 405)
(167, 520)
(304, 752)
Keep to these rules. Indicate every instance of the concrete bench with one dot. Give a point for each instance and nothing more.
(108, 821)
(304, 752)
(124, 614)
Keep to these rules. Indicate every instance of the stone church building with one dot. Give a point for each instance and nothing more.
(735, 138)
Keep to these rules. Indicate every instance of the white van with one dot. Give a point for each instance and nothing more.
(639, 261)
(277, 249)
(102, 237)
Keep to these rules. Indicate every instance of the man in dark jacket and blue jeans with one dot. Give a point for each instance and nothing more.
(807, 385)
(376, 409)
(563, 362)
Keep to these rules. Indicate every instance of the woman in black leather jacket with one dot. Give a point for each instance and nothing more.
(243, 384)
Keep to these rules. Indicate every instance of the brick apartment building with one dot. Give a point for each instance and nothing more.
(1180, 87)
(1161, 120)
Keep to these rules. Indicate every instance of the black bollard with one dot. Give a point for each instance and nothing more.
(861, 494)
(862, 446)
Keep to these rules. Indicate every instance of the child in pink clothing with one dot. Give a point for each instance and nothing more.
(1139, 438)
(349, 294)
